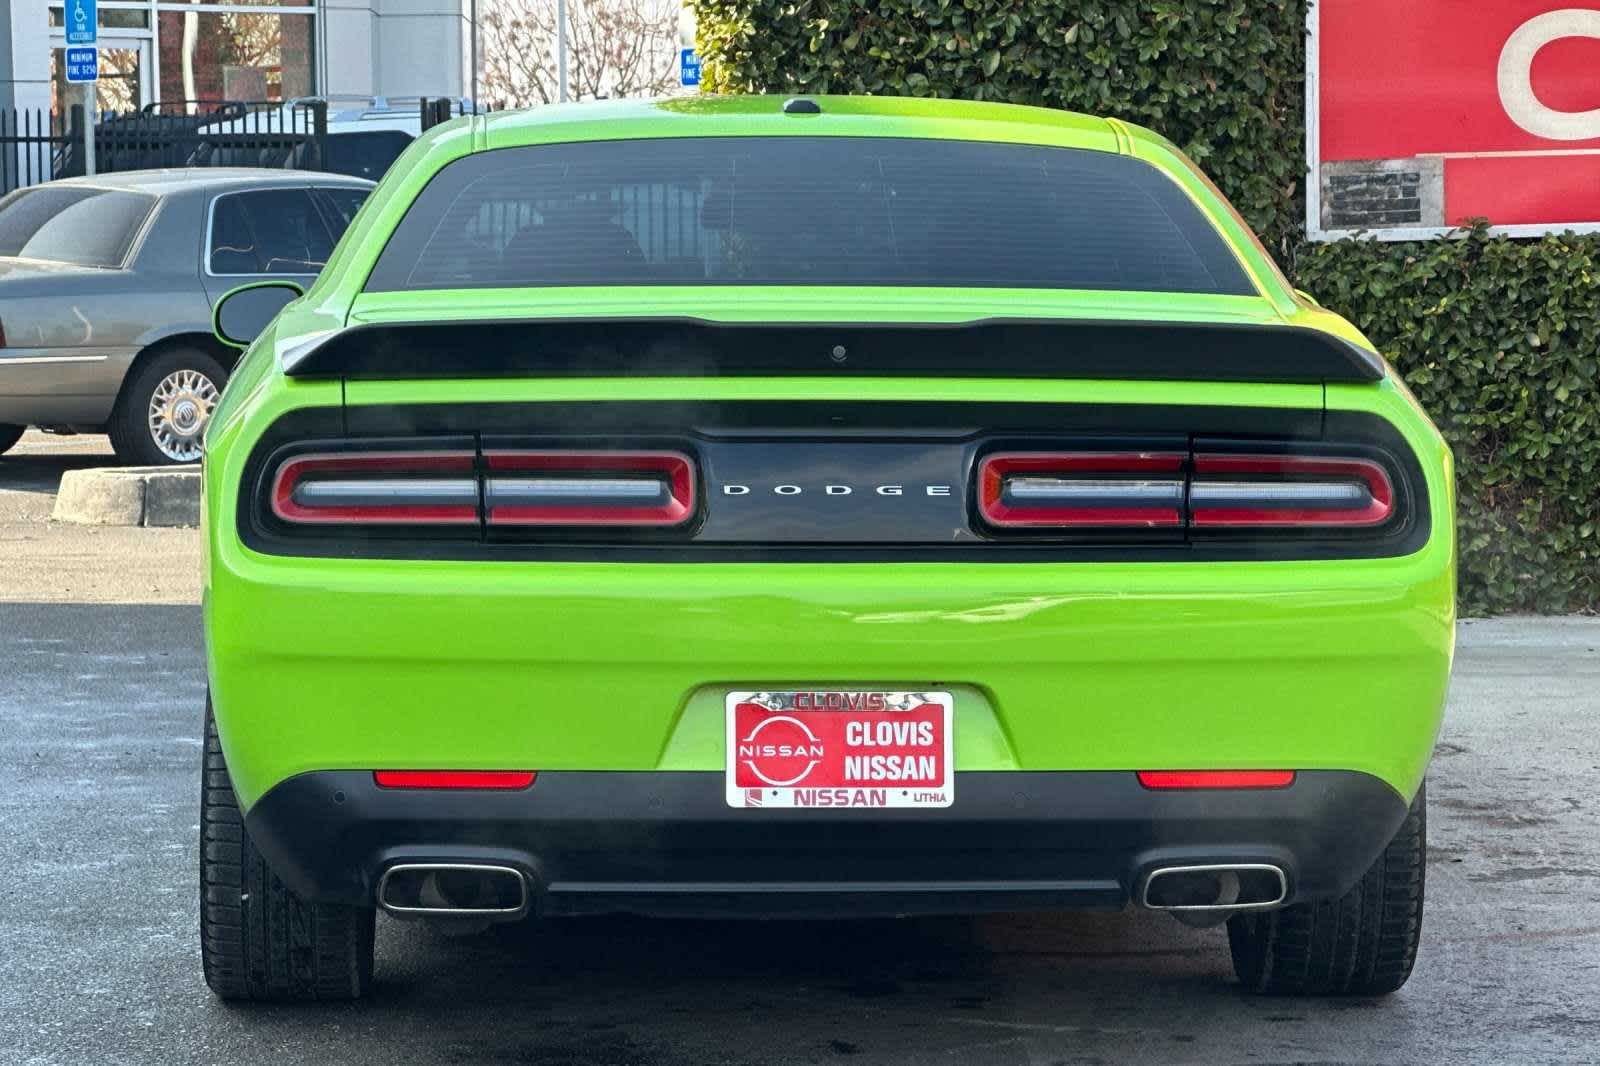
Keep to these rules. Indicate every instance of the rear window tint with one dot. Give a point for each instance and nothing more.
(72, 224)
(268, 231)
(805, 211)
(366, 154)
(342, 204)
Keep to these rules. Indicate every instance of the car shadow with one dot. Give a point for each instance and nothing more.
(36, 471)
(1035, 988)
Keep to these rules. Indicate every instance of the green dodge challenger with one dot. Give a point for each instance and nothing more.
(812, 507)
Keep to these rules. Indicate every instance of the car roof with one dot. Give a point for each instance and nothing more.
(350, 107)
(883, 116)
(345, 113)
(188, 179)
(298, 124)
(384, 122)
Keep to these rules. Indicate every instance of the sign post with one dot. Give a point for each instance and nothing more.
(688, 68)
(83, 66)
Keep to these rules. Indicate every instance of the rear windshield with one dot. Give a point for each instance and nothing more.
(72, 224)
(805, 211)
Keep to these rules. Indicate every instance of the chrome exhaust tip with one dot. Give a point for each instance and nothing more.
(1225, 888)
(454, 890)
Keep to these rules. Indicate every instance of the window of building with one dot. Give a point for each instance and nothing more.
(124, 78)
(136, 17)
(185, 54)
(209, 55)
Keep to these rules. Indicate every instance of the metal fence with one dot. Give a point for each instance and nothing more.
(36, 146)
(30, 144)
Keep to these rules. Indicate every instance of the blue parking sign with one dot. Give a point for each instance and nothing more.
(83, 64)
(688, 68)
(81, 19)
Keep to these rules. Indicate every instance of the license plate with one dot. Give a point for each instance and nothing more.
(839, 748)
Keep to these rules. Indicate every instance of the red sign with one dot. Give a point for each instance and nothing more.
(836, 748)
(1424, 115)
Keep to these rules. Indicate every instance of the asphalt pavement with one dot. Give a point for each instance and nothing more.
(99, 754)
(101, 683)
(57, 562)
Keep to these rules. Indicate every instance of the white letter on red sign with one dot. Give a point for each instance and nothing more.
(1516, 76)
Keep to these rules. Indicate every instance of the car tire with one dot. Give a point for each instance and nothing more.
(163, 408)
(1361, 944)
(9, 435)
(258, 939)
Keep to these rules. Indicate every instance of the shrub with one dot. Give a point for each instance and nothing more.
(1499, 339)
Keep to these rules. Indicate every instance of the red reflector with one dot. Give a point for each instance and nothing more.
(1175, 779)
(492, 779)
(1064, 490)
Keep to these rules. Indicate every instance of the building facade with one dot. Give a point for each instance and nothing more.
(177, 52)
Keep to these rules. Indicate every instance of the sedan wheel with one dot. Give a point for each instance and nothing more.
(179, 409)
(164, 408)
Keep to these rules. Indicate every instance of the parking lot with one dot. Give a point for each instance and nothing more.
(101, 686)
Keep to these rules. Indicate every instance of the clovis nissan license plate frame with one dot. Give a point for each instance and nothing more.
(839, 748)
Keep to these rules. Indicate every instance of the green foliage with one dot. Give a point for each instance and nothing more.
(1499, 339)
(1222, 79)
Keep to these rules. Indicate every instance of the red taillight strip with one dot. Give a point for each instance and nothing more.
(1202, 779)
(503, 780)
(297, 469)
(1111, 497)
(1276, 471)
(674, 469)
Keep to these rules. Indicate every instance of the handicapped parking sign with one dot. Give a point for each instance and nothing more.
(82, 20)
(688, 68)
(83, 64)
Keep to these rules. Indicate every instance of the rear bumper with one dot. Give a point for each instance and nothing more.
(363, 663)
(665, 843)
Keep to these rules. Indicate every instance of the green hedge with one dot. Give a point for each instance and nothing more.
(1499, 339)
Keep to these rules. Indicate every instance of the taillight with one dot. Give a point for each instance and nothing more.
(431, 488)
(1288, 491)
(1066, 490)
(449, 486)
(498, 780)
(589, 488)
(1210, 490)
(1203, 779)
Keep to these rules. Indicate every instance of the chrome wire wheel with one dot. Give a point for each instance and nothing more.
(180, 407)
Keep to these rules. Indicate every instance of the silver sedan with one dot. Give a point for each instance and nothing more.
(107, 286)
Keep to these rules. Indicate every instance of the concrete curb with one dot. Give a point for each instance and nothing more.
(130, 496)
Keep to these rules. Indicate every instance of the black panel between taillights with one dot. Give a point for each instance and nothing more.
(864, 481)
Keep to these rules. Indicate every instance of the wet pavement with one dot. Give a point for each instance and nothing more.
(99, 749)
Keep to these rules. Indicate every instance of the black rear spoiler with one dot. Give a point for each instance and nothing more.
(678, 347)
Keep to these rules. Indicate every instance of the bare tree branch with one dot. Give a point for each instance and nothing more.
(614, 48)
